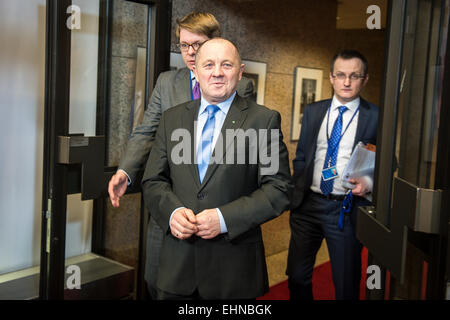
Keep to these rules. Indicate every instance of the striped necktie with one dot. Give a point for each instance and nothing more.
(204, 152)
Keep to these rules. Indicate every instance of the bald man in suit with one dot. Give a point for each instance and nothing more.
(211, 211)
(172, 88)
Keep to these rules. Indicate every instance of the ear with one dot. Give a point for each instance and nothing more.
(331, 78)
(241, 71)
(194, 70)
(366, 79)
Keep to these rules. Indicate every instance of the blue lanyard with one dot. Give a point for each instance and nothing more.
(190, 85)
(342, 134)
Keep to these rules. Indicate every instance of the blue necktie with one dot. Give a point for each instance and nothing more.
(332, 151)
(204, 152)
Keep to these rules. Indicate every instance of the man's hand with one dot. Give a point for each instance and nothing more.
(183, 223)
(117, 187)
(208, 224)
(362, 186)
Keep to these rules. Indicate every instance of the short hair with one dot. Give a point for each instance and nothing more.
(238, 54)
(199, 22)
(350, 54)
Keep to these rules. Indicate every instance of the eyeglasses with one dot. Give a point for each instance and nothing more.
(343, 76)
(185, 46)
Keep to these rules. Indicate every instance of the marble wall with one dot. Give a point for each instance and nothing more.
(129, 31)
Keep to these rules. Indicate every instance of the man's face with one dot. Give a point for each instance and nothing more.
(218, 70)
(347, 89)
(190, 38)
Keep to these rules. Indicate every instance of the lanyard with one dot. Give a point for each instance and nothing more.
(190, 85)
(342, 134)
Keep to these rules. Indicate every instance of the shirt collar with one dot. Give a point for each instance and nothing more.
(192, 74)
(223, 106)
(352, 105)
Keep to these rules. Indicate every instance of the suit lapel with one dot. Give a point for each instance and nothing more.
(188, 121)
(363, 119)
(234, 120)
(183, 84)
(320, 114)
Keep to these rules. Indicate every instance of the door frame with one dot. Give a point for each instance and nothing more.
(380, 229)
(56, 124)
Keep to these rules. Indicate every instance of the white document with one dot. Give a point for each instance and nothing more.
(360, 167)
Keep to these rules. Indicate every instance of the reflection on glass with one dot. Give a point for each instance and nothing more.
(418, 103)
(83, 105)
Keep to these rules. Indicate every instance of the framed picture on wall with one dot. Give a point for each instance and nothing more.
(307, 89)
(255, 71)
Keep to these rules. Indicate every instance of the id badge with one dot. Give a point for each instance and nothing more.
(329, 173)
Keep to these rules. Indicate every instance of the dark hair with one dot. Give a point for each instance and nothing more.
(350, 54)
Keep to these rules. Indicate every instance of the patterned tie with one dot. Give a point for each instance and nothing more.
(333, 146)
(204, 152)
(196, 91)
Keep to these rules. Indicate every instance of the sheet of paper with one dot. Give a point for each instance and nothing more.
(360, 167)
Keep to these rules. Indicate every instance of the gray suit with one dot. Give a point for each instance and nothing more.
(231, 265)
(172, 88)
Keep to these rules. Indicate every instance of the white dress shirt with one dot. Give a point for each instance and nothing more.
(219, 119)
(345, 145)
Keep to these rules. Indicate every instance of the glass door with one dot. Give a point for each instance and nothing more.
(101, 59)
(407, 229)
(22, 79)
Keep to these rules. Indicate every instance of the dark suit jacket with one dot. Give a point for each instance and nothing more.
(232, 265)
(313, 116)
(172, 88)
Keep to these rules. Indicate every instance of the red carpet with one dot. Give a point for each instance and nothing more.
(323, 288)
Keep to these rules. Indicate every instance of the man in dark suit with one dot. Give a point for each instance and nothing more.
(330, 131)
(209, 203)
(172, 88)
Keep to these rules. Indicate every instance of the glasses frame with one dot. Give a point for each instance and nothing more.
(193, 45)
(352, 77)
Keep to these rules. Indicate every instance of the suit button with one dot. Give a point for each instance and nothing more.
(201, 196)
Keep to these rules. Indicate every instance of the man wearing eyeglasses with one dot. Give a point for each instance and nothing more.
(329, 133)
(172, 88)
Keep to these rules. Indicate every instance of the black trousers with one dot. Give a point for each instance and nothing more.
(316, 219)
(154, 243)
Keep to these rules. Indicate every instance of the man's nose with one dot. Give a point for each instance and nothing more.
(347, 81)
(218, 72)
(191, 50)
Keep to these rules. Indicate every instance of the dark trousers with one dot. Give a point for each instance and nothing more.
(154, 243)
(315, 219)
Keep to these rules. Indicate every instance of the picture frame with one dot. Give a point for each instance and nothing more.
(307, 89)
(253, 70)
(256, 72)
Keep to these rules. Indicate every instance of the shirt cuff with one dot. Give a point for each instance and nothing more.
(128, 177)
(223, 226)
(170, 219)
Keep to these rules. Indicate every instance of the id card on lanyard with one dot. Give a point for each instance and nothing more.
(330, 172)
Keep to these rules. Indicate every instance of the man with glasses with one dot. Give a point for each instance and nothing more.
(329, 133)
(172, 88)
